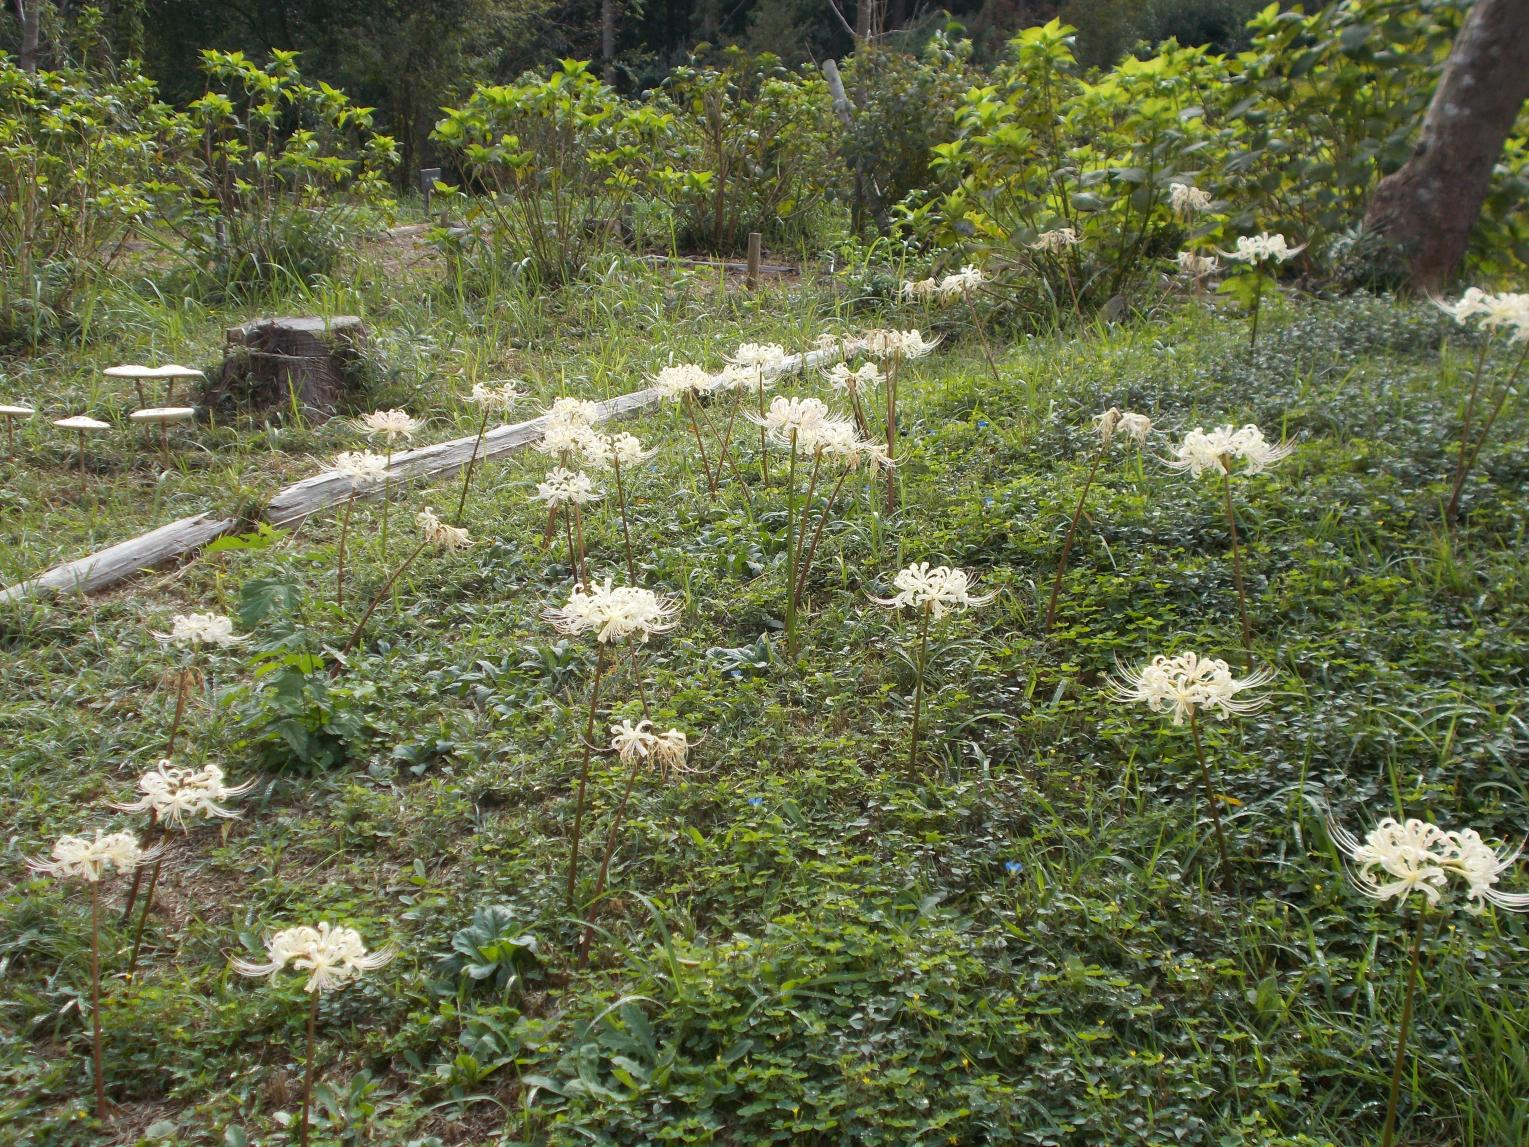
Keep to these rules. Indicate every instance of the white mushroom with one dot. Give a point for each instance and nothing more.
(164, 415)
(11, 412)
(80, 423)
(170, 372)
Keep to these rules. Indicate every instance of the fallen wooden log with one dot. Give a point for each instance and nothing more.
(296, 502)
(120, 562)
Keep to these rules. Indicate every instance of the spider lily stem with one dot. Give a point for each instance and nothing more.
(339, 577)
(891, 388)
(1470, 452)
(1242, 593)
(711, 485)
(1210, 796)
(1388, 1136)
(1072, 528)
(626, 532)
(377, 600)
(132, 891)
(805, 564)
(764, 453)
(95, 997)
(181, 689)
(611, 838)
(313, 1023)
(467, 475)
(791, 553)
(148, 903)
(1258, 297)
(918, 687)
(987, 350)
(578, 808)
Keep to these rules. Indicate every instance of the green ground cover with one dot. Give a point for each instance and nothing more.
(1026, 938)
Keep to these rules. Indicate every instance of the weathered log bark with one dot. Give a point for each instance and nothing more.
(272, 363)
(1425, 210)
(122, 561)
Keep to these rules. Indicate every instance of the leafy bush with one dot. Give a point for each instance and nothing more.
(750, 151)
(282, 169)
(75, 152)
(559, 159)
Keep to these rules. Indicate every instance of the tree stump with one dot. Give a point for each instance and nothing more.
(308, 364)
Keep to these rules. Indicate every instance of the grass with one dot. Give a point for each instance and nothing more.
(1024, 943)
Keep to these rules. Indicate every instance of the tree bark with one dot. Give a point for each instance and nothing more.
(29, 16)
(608, 41)
(1425, 210)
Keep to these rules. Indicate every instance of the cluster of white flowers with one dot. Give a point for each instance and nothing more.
(173, 794)
(193, 629)
(614, 613)
(1056, 241)
(865, 377)
(438, 533)
(790, 418)
(332, 955)
(919, 290)
(1200, 451)
(389, 425)
(1187, 200)
(758, 357)
(937, 588)
(569, 427)
(896, 344)
(1136, 426)
(78, 858)
(1418, 856)
(959, 285)
(1263, 248)
(1507, 309)
(638, 742)
(675, 382)
(567, 487)
(499, 396)
(1190, 684)
(807, 423)
(605, 452)
(1197, 266)
(362, 466)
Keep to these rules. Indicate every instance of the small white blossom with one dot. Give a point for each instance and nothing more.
(332, 955)
(438, 533)
(623, 449)
(500, 397)
(193, 629)
(362, 467)
(1187, 200)
(567, 487)
(1197, 266)
(920, 290)
(865, 377)
(1056, 241)
(173, 794)
(1264, 248)
(896, 344)
(963, 283)
(1190, 684)
(674, 382)
(758, 356)
(613, 614)
(1201, 451)
(389, 425)
(631, 742)
(1136, 426)
(1510, 310)
(937, 588)
(75, 857)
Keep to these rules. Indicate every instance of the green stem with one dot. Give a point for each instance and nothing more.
(339, 582)
(1467, 462)
(148, 904)
(95, 997)
(581, 573)
(1388, 1136)
(987, 351)
(605, 863)
(764, 453)
(711, 485)
(891, 388)
(817, 533)
(377, 600)
(387, 498)
(180, 708)
(578, 808)
(1072, 526)
(1258, 297)
(1242, 593)
(791, 553)
(1210, 796)
(626, 531)
(313, 1023)
(467, 475)
(918, 688)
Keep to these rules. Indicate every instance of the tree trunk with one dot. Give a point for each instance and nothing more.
(1425, 210)
(608, 41)
(29, 16)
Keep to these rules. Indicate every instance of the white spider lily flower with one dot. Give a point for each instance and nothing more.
(1136, 426)
(389, 425)
(1403, 851)
(939, 588)
(836, 439)
(920, 290)
(333, 956)
(191, 630)
(1256, 452)
(1263, 248)
(1189, 684)
(362, 467)
(1509, 310)
(574, 411)
(866, 377)
(758, 356)
(1201, 451)
(675, 382)
(623, 449)
(173, 795)
(1056, 241)
(614, 613)
(567, 487)
(496, 396)
(896, 344)
(788, 416)
(1468, 856)
(633, 743)
(564, 439)
(1186, 200)
(671, 750)
(79, 858)
(438, 533)
(1197, 266)
(963, 283)
(1106, 424)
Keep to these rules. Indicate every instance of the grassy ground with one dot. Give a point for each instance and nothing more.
(1025, 938)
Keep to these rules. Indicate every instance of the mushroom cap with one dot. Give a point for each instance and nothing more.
(81, 422)
(164, 414)
(169, 370)
(16, 411)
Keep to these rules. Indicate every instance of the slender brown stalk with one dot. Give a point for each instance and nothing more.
(918, 687)
(1467, 461)
(1388, 1136)
(132, 891)
(1242, 593)
(611, 837)
(467, 475)
(1072, 527)
(182, 683)
(725, 439)
(1258, 298)
(339, 578)
(812, 485)
(313, 1023)
(581, 571)
(987, 350)
(626, 532)
(578, 808)
(148, 902)
(861, 423)
(377, 600)
(891, 389)
(95, 997)
(1210, 796)
(764, 453)
(805, 564)
(728, 458)
(711, 485)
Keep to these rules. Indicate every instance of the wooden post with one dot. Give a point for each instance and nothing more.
(427, 178)
(756, 249)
